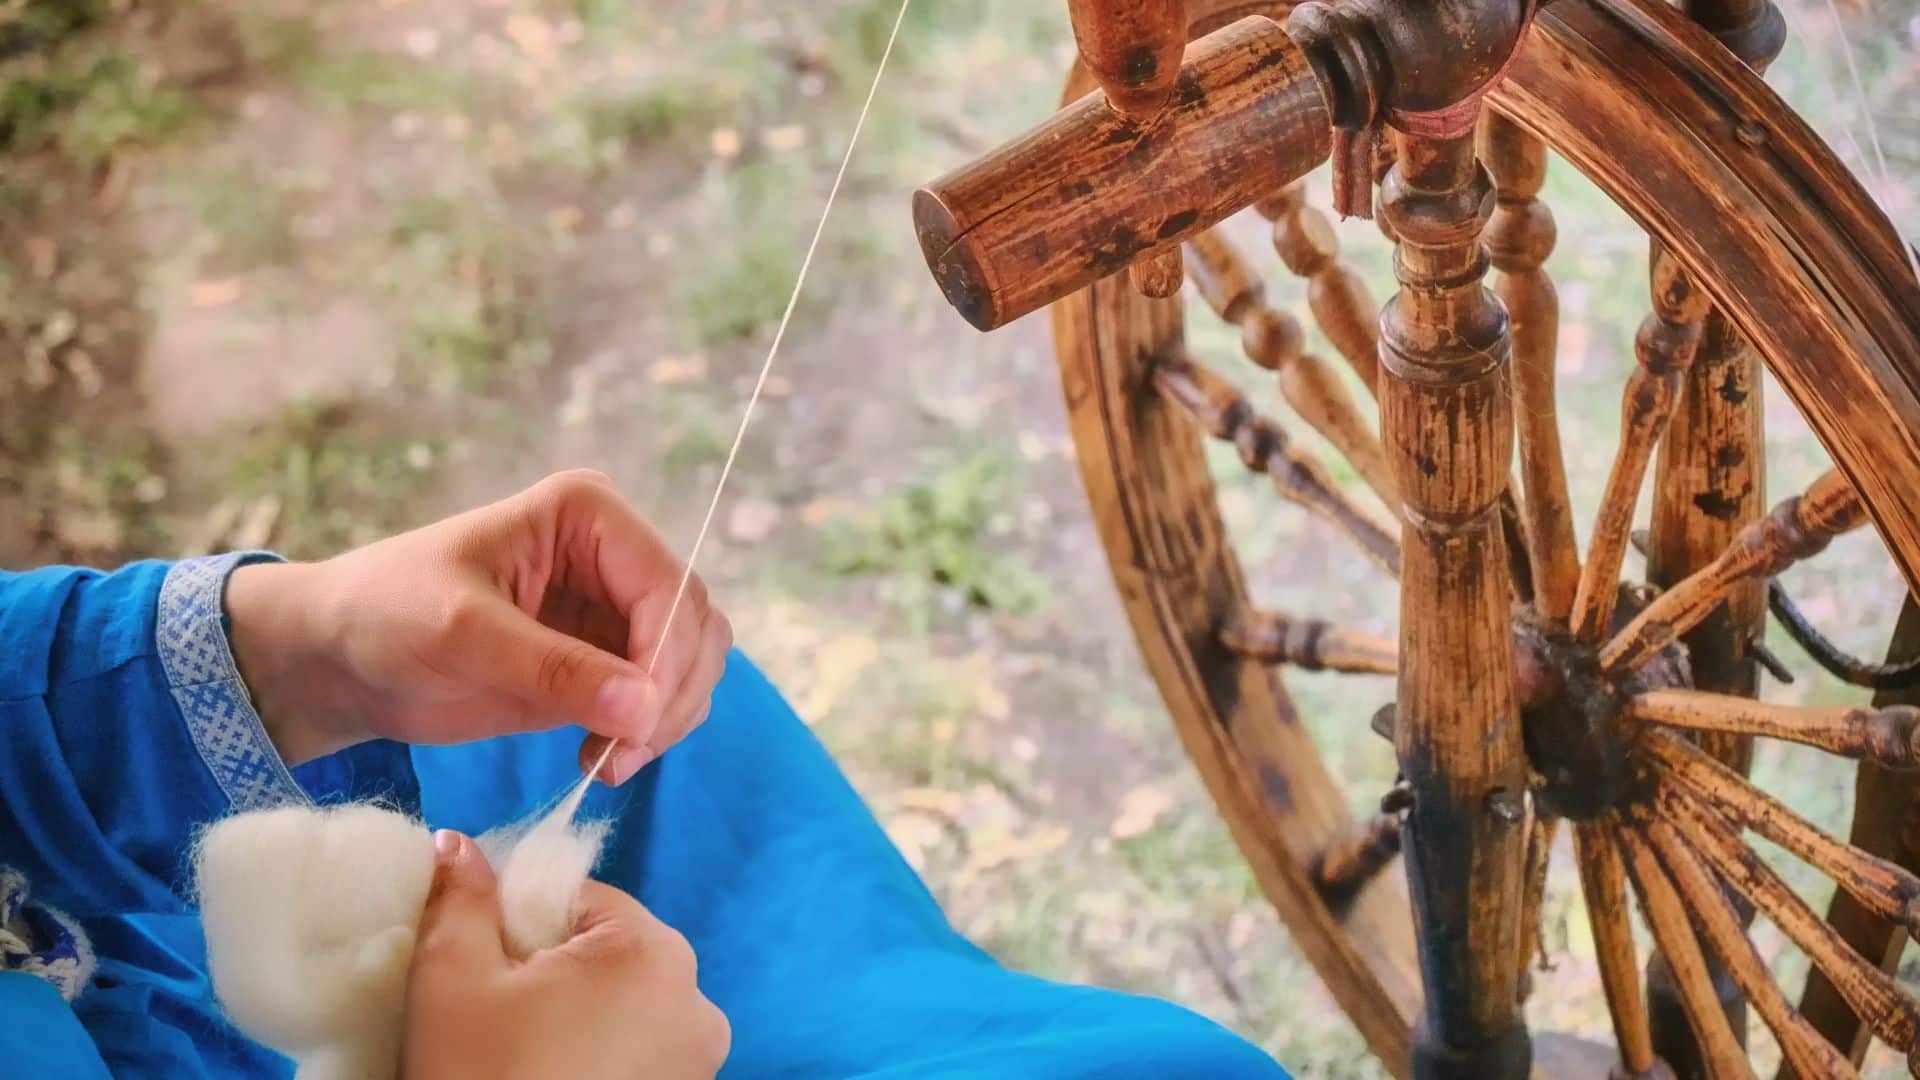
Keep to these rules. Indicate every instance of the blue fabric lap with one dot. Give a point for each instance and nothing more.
(816, 939)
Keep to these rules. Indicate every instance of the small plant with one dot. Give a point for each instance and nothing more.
(87, 107)
(338, 484)
(654, 114)
(935, 532)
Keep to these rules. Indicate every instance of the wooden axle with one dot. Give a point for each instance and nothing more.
(1090, 190)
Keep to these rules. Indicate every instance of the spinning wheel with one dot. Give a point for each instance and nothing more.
(1534, 686)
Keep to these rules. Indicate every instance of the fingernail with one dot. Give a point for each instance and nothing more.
(628, 761)
(630, 703)
(446, 843)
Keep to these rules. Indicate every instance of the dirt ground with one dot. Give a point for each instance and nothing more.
(295, 276)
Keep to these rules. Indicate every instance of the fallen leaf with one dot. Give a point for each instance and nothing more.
(678, 369)
(207, 294)
(725, 143)
(820, 511)
(785, 137)
(1140, 809)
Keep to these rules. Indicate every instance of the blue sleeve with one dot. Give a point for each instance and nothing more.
(124, 728)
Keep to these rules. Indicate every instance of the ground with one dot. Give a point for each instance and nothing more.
(297, 275)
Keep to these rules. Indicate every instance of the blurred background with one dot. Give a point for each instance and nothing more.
(299, 275)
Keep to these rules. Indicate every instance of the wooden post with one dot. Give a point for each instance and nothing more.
(1447, 419)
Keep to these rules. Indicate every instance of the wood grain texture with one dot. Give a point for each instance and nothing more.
(1604, 884)
(1446, 413)
(1666, 914)
(1132, 48)
(1087, 192)
(1519, 238)
(1342, 304)
(1273, 339)
(1886, 826)
(1799, 527)
(1273, 637)
(1888, 736)
(1724, 930)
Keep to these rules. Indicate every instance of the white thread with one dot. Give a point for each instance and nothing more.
(1873, 136)
(572, 803)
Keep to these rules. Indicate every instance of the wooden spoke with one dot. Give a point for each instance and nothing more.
(1539, 861)
(1520, 237)
(1869, 990)
(1719, 1050)
(1158, 275)
(1264, 447)
(1664, 348)
(1720, 925)
(1882, 887)
(1132, 48)
(1342, 305)
(1888, 736)
(1276, 638)
(1273, 340)
(1798, 528)
(1348, 864)
(1605, 886)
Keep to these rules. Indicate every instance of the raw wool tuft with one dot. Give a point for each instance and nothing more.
(311, 915)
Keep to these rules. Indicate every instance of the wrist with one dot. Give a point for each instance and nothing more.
(277, 629)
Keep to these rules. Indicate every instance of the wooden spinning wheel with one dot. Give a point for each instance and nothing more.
(1534, 686)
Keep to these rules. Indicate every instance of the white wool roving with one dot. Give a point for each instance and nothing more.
(311, 914)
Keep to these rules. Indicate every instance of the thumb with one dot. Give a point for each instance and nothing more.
(461, 918)
(556, 674)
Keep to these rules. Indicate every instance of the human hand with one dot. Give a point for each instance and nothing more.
(617, 999)
(535, 611)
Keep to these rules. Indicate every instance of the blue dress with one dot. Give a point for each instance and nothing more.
(126, 729)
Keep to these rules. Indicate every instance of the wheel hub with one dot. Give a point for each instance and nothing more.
(1571, 717)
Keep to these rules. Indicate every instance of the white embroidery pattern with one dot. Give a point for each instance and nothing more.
(205, 682)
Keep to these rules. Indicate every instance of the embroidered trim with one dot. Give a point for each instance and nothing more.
(191, 633)
(39, 940)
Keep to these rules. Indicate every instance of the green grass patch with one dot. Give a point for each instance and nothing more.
(339, 485)
(87, 105)
(378, 81)
(934, 535)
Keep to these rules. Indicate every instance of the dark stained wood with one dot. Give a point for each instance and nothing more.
(1273, 339)
(1349, 864)
(1519, 238)
(1226, 414)
(1089, 191)
(1892, 1015)
(1132, 48)
(1799, 527)
(1445, 411)
(1888, 736)
(1884, 888)
(1341, 302)
(1664, 348)
(1603, 882)
(1666, 914)
(1725, 930)
(1158, 275)
(1275, 638)
(1886, 824)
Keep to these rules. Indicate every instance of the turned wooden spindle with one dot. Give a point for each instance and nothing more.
(1088, 191)
(1273, 637)
(1872, 993)
(1519, 238)
(1884, 888)
(1446, 412)
(1273, 339)
(1723, 928)
(1889, 737)
(1797, 528)
(1264, 447)
(1132, 48)
(1664, 348)
(1603, 882)
(1666, 915)
(1350, 863)
(1341, 302)
(1160, 274)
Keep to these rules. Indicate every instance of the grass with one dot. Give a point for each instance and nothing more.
(339, 483)
(933, 535)
(87, 104)
(376, 80)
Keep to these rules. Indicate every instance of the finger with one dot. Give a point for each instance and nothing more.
(461, 918)
(612, 923)
(626, 760)
(665, 639)
(693, 699)
(599, 533)
(553, 674)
